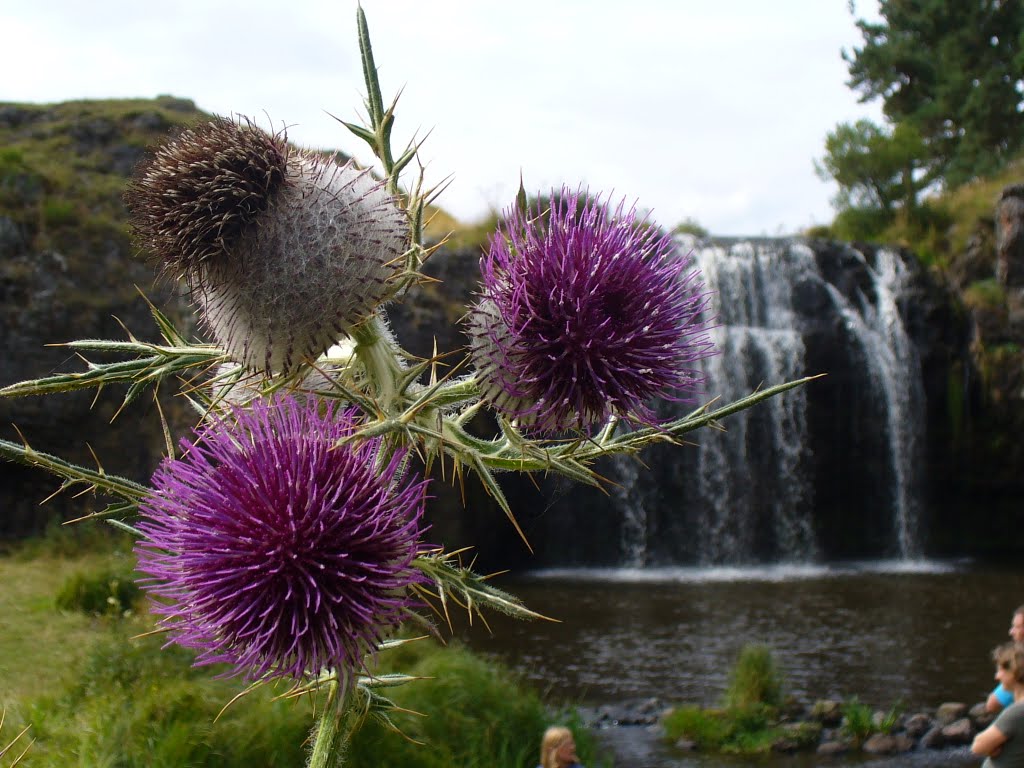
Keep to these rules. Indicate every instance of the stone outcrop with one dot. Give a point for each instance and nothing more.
(1010, 237)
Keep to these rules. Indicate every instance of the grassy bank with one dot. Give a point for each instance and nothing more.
(97, 694)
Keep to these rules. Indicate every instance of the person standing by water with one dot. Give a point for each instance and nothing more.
(558, 749)
(1001, 697)
(1002, 743)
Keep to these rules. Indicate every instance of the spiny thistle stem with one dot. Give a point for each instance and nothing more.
(380, 120)
(332, 731)
(379, 355)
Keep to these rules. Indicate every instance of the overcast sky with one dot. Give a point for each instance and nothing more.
(706, 109)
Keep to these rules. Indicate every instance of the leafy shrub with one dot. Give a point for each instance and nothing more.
(71, 541)
(754, 680)
(889, 720)
(134, 705)
(110, 591)
(479, 716)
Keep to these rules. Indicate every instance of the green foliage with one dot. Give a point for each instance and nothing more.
(136, 705)
(110, 591)
(477, 714)
(749, 722)
(689, 226)
(949, 70)
(861, 224)
(115, 699)
(877, 169)
(947, 75)
(857, 719)
(755, 680)
(60, 161)
(889, 720)
(985, 294)
(709, 729)
(74, 541)
(59, 213)
(752, 730)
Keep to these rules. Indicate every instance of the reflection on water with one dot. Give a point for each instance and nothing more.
(916, 633)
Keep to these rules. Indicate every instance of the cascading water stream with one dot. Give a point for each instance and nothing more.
(748, 492)
(759, 345)
(896, 377)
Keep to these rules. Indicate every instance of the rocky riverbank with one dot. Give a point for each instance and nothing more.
(951, 725)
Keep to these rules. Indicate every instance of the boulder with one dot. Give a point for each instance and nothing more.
(828, 712)
(833, 748)
(933, 739)
(950, 712)
(888, 744)
(981, 717)
(917, 725)
(959, 732)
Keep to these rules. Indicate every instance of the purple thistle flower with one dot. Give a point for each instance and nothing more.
(271, 548)
(585, 313)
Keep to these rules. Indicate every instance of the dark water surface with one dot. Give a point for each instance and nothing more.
(918, 633)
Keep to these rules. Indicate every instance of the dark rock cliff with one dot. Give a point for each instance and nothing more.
(68, 271)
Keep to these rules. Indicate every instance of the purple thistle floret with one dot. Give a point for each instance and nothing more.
(270, 548)
(585, 313)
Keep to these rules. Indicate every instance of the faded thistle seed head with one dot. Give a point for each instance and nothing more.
(270, 547)
(284, 250)
(585, 313)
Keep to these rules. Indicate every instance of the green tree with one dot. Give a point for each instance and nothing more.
(876, 168)
(954, 71)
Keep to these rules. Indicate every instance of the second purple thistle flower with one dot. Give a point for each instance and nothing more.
(270, 547)
(586, 312)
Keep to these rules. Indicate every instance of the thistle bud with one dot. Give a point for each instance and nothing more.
(284, 250)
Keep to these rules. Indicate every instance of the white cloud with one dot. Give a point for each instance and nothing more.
(712, 111)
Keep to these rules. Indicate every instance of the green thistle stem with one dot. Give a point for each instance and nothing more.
(333, 728)
(379, 357)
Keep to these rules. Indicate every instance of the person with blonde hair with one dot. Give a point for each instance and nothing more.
(1002, 743)
(558, 749)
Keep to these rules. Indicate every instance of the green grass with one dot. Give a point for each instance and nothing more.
(749, 722)
(857, 719)
(98, 691)
(754, 680)
(985, 294)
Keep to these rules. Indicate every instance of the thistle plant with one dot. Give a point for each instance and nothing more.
(286, 537)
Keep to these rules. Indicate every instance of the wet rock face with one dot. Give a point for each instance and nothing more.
(1010, 237)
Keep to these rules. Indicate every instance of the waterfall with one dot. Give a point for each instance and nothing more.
(827, 471)
(895, 376)
(754, 480)
(743, 469)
